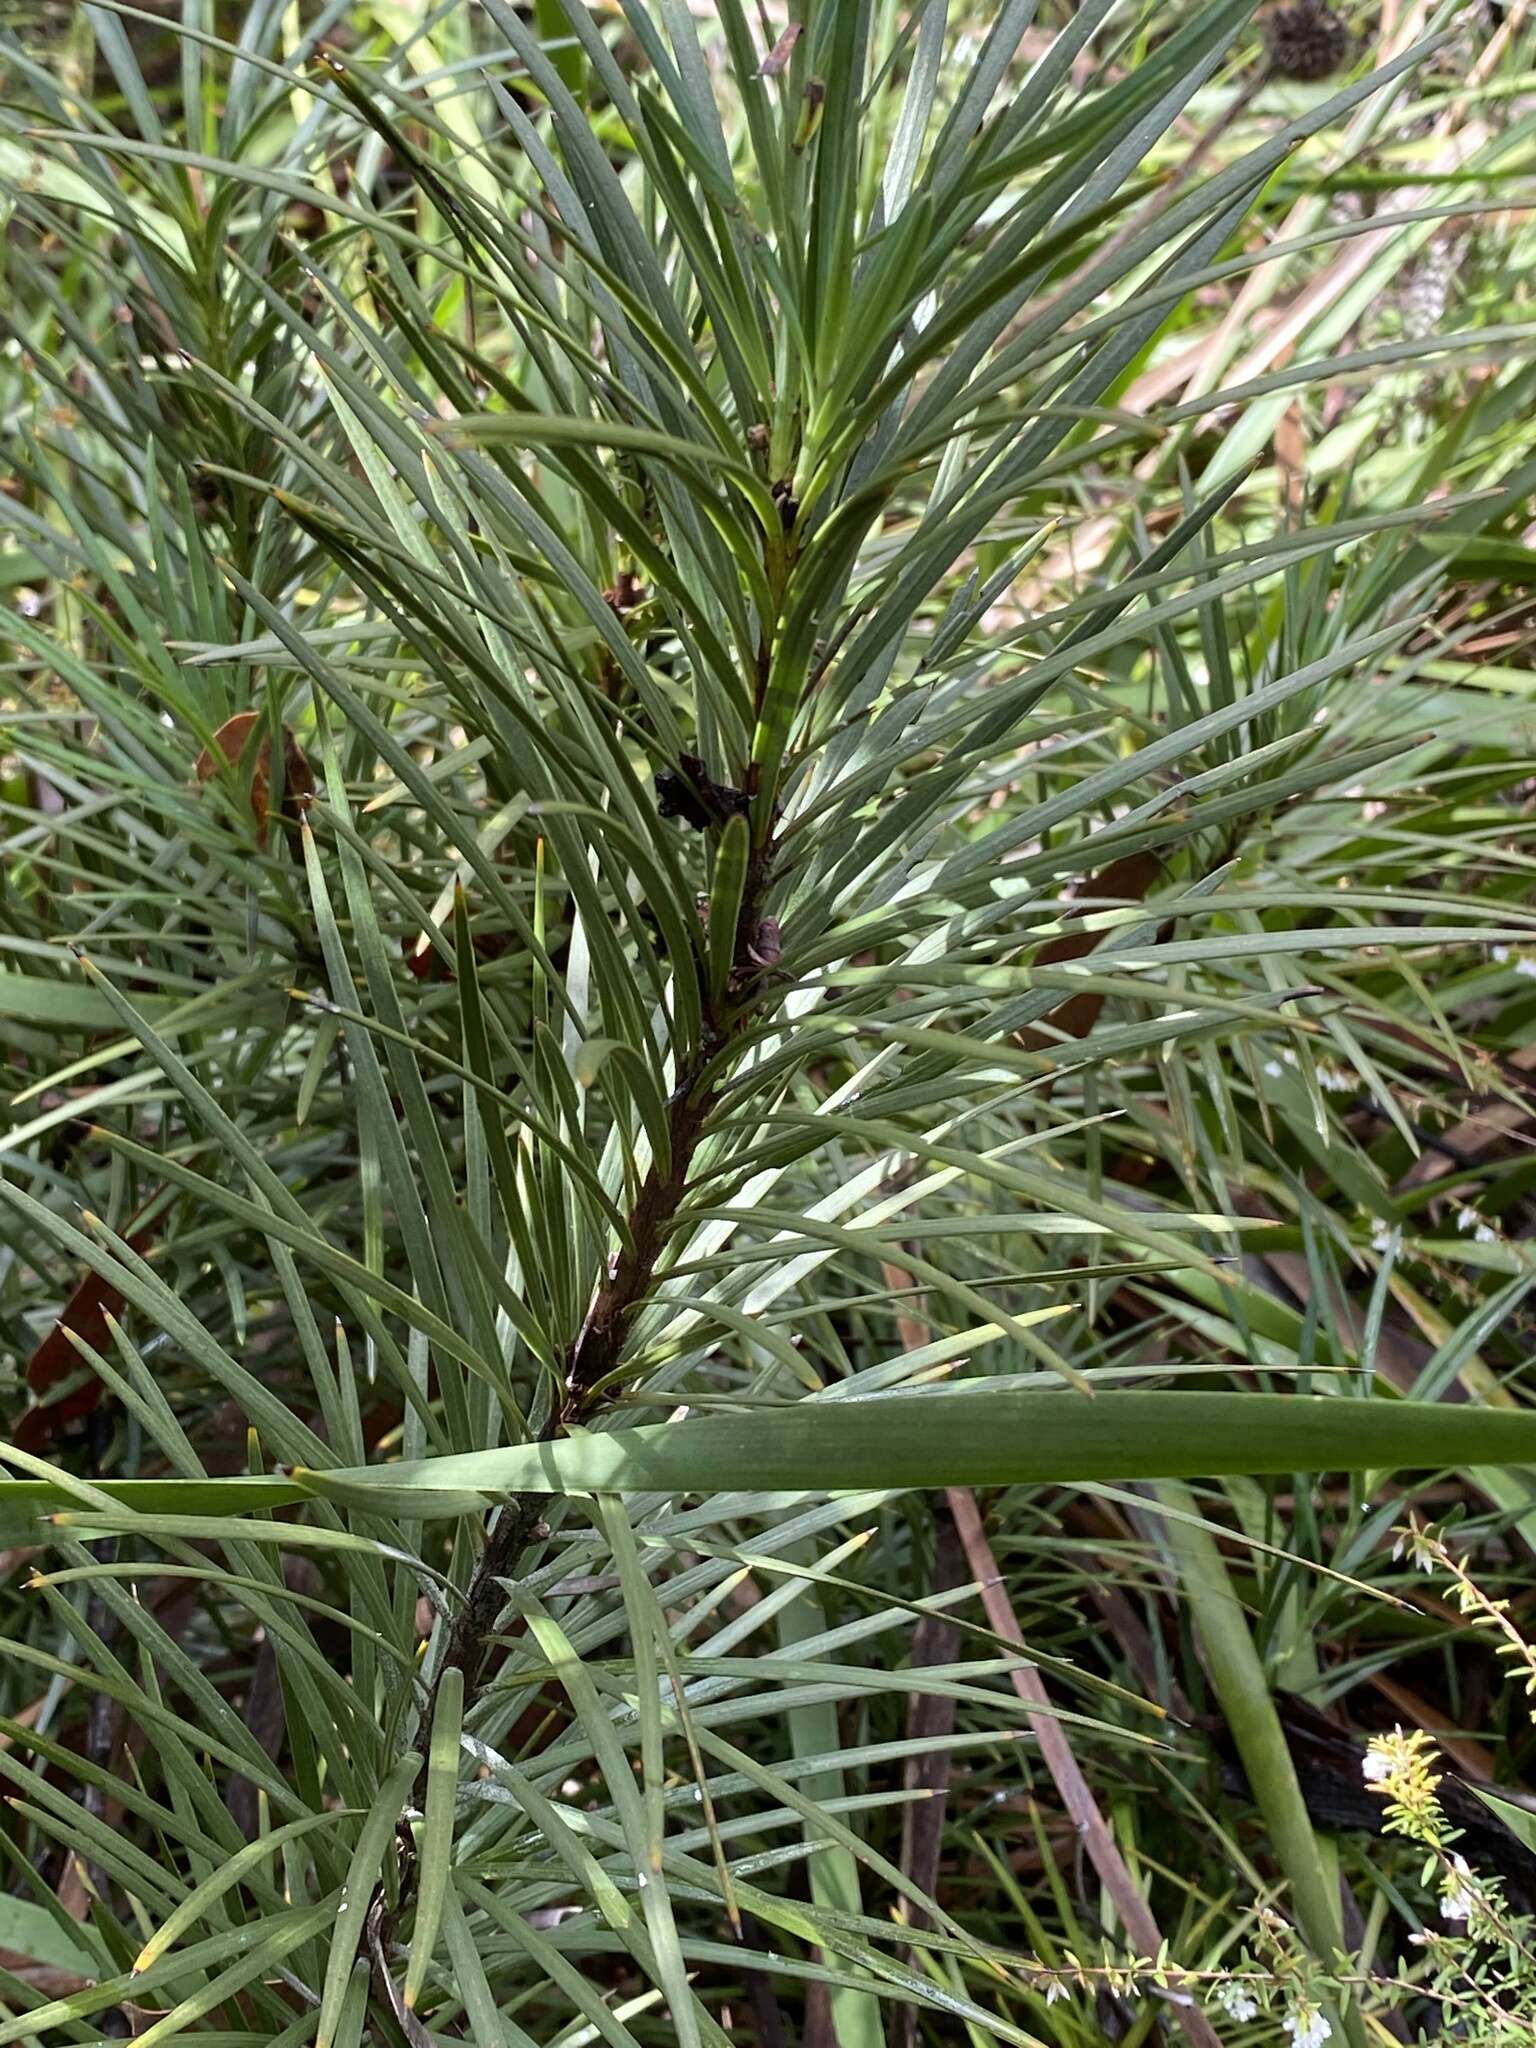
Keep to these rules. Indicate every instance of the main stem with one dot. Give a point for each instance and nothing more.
(597, 1352)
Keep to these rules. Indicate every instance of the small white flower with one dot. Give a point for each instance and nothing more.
(1381, 1235)
(1500, 955)
(1421, 1554)
(1460, 1899)
(1237, 2002)
(1274, 1069)
(1468, 1220)
(1374, 1767)
(1526, 966)
(1307, 2027)
(1336, 1080)
(1055, 1991)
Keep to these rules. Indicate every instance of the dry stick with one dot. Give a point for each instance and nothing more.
(1199, 368)
(1066, 1774)
(931, 1720)
(1332, 282)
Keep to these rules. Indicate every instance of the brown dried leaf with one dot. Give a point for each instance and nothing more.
(56, 1360)
(1127, 879)
(779, 55)
(1291, 457)
(231, 741)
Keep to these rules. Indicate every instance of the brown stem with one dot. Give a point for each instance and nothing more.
(509, 1537)
(598, 1350)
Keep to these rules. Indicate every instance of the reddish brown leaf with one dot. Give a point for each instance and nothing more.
(56, 1359)
(1127, 880)
(425, 963)
(779, 55)
(1291, 457)
(231, 740)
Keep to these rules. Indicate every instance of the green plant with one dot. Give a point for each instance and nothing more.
(582, 847)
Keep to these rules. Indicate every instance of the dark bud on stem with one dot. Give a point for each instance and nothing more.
(207, 492)
(688, 792)
(766, 946)
(810, 113)
(787, 502)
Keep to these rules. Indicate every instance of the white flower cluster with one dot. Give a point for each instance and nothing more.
(1305, 2024)
(1460, 1898)
(1237, 2001)
(1413, 1543)
(1307, 2027)
(1468, 1221)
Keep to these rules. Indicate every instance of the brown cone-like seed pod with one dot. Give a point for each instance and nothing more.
(1307, 41)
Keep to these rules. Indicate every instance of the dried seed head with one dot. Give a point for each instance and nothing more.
(1307, 41)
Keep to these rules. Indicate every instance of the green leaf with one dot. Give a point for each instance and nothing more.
(348, 1912)
(30, 1930)
(435, 1846)
(974, 1437)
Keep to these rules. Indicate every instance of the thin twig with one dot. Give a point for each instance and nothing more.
(1066, 1774)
